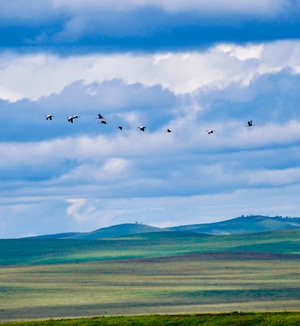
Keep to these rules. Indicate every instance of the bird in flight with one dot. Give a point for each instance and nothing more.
(142, 128)
(100, 116)
(210, 131)
(169, 130)
(249, 123)
(70, 119)
(49, 117)
(120, 127)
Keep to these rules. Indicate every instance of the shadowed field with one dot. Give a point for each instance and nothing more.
(68, 280)
(233, 319)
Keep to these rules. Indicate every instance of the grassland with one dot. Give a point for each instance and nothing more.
(233, 319)
(149, 274)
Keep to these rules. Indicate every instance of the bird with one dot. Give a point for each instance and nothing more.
(103, 122)
(49, 117)
(70, 119)
(100, 116)
(249, 123)
(169, 130)
(210, 131)
(142, 128)
(120, 127)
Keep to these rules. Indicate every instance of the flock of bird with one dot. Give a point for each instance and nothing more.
(249, 124)
(142, 128)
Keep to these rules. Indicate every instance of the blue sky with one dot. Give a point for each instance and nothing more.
(189, 66)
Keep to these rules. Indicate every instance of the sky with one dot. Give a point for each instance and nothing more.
(186, 65)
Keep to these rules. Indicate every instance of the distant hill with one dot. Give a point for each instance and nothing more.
(243, 224)
(32, 251)
(56, 235)
(238, 225)
(107, 232)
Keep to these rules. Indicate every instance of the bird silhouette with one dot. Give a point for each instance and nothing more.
(210, 131)
(71, 119)
(120, 127)
(249, 123)
(169, 130)
(142, 128)
(100, 116)
(49, 117)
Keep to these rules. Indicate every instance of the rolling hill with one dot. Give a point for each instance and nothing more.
(244, 224)
(107, 232)
(153, 273)
(136, 268)
(239, 225)
(38, 251)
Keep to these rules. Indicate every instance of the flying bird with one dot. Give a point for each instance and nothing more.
(103, 122)
(120, 127)
(49, 117)
(142, 128)
(249, 123)
(100, 116)
(169, 130)
(70, 119)
(210, 131)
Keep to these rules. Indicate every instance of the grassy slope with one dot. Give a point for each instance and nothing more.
(171, 273)
(116, 231)
(159, 244)
(244, 224)
(233, 319)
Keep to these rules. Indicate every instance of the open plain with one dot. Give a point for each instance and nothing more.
(157, 273)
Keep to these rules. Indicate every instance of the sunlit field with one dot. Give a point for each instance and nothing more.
(207, 281)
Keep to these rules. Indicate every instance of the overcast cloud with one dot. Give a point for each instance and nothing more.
(189, 66)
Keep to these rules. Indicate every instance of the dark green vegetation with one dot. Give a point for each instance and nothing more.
(239, 225)
(244, 224)
(233, 319)
(149, 273)
(146, 245)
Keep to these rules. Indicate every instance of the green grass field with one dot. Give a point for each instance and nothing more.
(233, 319)
(149, 274)
(53, 251)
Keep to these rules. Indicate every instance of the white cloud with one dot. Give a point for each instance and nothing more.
(80, 210)
(242, 52)
(179, 72)
(111, 170)
(90, 214)
(86, 214)
(275, 177)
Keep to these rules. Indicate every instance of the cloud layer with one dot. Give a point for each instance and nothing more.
(189, 66)
(69, 27)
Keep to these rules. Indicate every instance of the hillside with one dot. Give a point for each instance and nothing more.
(143, 246)
(169, 272)
(244, 224)
(107, 232)
(239, 225)
(116, 231)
